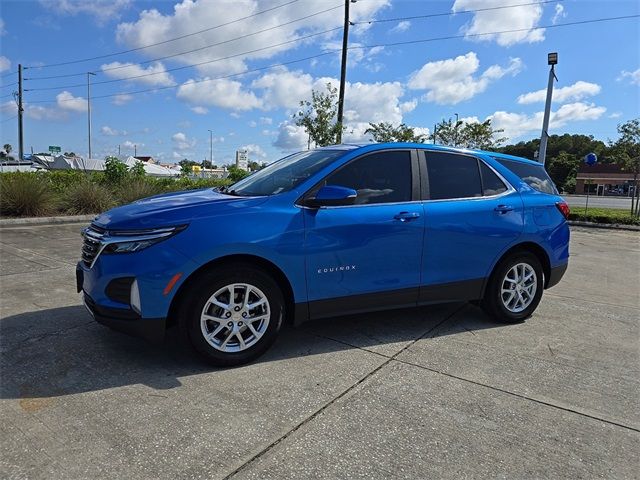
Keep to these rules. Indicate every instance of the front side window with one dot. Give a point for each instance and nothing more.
(453, 176)
(284, 174)
(383, 177)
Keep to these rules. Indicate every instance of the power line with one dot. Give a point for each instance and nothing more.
(10, 118)
(188, 66)
(448, 14)
(359, 47)
(7, 74)
(193, 50)
(165, 41)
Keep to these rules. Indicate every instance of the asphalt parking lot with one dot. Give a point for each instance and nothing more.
(420, 393)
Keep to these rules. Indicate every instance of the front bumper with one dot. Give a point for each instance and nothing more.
(123, 320)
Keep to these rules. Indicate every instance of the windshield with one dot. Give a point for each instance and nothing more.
(284, 174)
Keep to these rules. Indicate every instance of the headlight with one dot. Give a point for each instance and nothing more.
(135, 240)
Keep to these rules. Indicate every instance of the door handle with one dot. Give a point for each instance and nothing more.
(503, 208)
(406, 216)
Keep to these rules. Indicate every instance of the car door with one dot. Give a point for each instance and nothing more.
(472, 215)
(366, 255)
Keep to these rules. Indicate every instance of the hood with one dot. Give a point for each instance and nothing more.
(173, 208)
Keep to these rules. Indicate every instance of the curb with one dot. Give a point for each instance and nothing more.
(10, 222)
(606, 226)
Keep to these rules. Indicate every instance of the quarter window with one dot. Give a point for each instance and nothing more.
(383, 177)
(491, 183)
(453, 176)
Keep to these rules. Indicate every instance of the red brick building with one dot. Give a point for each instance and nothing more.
(604, 179)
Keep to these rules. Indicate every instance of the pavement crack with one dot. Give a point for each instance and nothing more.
(322, 409)
(42, 336)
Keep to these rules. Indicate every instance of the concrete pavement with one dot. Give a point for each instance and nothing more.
(419, 393)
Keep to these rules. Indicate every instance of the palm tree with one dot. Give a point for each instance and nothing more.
(7, 148)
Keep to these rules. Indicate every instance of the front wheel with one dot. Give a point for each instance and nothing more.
(515, 288)
(233, 314)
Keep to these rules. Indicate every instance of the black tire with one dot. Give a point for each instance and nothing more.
(206, 285)
(493, 304)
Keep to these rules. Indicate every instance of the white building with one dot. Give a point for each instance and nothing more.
(242, 160)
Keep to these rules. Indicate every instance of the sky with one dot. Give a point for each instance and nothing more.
(173, 77)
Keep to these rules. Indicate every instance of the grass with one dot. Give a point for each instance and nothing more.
(31, 194)
(603, 215)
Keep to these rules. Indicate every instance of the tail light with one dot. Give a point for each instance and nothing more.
(564, 209)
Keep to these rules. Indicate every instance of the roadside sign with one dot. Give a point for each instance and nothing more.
(196, 168)
(54, 149)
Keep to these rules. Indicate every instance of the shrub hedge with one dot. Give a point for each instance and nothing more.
(25, 194)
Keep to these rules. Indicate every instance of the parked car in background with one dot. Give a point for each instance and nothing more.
(325, 232)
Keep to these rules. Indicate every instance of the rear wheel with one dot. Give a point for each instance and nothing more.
(233, 314)
(515, 288)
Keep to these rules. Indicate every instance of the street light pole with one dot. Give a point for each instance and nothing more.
(211, 147)
(552, 59)
(89, 74)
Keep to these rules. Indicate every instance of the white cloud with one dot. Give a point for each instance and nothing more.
(182, 142)
(577, 91)
(219, 93)
(102, 10)
(517, 124)
(634, 77)
(129, 145)
(111, 132)
(188, 16)
(154, 75)
(66, 101)
(254, 151)
(200, 110)
(402, 26)
(35, 112)
(523, 17)
(252, 123)
(5, 64)
(284, 88)
(409, 106)
(266, 120)
(615, 115)
(122, 99)
(3, 31)
(291, 137)
(559, 13)
(452, 81)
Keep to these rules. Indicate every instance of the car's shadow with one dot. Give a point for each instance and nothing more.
(61, 351)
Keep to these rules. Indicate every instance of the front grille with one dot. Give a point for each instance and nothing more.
(92, 244)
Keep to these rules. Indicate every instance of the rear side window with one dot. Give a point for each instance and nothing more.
(383, 177)
(453, 176)
(533, 175)
(491, 183)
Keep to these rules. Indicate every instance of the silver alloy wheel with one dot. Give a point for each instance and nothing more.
(519, 287)
(235, 317)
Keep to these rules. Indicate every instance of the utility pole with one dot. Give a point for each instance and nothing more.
(552, 59)
(435, 132)
(135, 150)
(118, 151)
(20, 110)
(211, 147)
(89, 74)
(456, 131)
(343, 67)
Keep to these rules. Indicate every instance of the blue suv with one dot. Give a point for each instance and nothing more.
(326, 232)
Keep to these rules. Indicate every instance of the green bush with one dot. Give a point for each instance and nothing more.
(603, 215)
(115, 171)
(87, 197)
(135, 189)
(26, 195)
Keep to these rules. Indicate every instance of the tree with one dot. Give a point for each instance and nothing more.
(626, 151)
(115, 171)
(386, 132)
(446, 133)
(255, 166)
(236, 173)
(318, 116)
(480, 135)
(7, 148)
(137, 171)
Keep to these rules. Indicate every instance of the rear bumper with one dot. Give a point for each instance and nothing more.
(556, 275)
(126, 321)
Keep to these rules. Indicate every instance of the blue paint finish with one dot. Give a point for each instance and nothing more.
(330, 252)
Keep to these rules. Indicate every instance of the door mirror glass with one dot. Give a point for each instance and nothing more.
(332, 195)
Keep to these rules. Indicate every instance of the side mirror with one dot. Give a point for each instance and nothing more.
(332, 195)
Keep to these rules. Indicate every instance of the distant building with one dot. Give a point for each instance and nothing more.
(146, 159)
(604, 179)
(242, 160)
